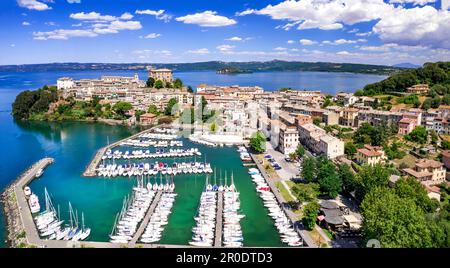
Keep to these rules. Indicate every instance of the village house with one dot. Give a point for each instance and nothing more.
(429, 172)
(418, 89)
(288, 139)
(165, 75)
(318, 141)
(370, 155)
(446, 158)
(147, 119)
(347, 99)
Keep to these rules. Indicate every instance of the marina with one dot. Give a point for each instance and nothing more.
(220, 222)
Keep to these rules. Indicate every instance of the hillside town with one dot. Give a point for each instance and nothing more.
(342, 129)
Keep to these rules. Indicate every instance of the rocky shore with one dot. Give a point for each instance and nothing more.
(16, 234)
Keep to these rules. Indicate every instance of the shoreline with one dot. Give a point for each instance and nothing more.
(15, 231)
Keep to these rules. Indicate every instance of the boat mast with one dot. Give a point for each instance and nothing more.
(70, 214)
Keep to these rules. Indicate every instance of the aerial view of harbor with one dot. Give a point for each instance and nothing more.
(312, 133)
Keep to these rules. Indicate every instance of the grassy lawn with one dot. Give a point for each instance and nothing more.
(284, 192)
(410, 160)
(317, 238)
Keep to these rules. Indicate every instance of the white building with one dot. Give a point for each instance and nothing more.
(331, 146)
(318, 141)
(288, 139)
(65, 83)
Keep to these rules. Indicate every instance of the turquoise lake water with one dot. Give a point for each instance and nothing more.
(73, 145)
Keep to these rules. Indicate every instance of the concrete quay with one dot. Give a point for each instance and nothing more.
(307, 240)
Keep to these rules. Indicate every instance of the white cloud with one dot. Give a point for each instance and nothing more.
(126, 16)
(424, 26)
(33, 5)
(152, 36)
(280, 49)
(225, 48)
(290, 42)
(396, 23)
(98, 24)
(245, 12)
(326, 15)
(207, 19)
(63, 34)
(200, 51)
(92, 16)
(414, 2)
(343, 42)
(234, 38)
(307, 42)
(26, 23)
(364, 34)
(74, 1)
(159, 14)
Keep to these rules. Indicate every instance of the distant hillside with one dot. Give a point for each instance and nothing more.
(407, 65)
(432, 74)
(254, 66)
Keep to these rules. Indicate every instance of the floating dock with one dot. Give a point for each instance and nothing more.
(219, 221)
(146, 219)
(90, 169)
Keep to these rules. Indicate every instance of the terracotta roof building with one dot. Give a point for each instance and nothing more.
(429, 172)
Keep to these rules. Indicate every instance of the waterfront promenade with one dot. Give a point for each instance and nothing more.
(307, 240)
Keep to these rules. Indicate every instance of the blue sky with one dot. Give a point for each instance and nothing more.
(151, 31)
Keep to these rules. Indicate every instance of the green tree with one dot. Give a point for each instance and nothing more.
(121, 107)
(171, 107)
(317, 121)
(178, 83)
(350, 149)
(300, 151)
(347, 177)
(394, 221)
(150, 82)
(258, 142)
(158, 84)
(329, 181)
(370, 177)
(309, 169)
(445, 145)
(368, 134)
(138, 114)
(153, 109)
(419, 134)
(213, 127)
(306, 192)
(310, 213)
(169, 85)
(22, 104)
(189, 89)
(412, 189)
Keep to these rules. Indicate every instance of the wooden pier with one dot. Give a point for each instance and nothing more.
(146, 219)
(219, 221)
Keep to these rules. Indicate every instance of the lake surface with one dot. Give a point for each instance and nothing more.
(73, 144)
